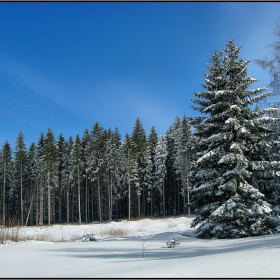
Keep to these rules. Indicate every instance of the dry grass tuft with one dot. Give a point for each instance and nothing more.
(9, 233)
(141, 218)
(114, 232)
(14, 234)
(170, 224)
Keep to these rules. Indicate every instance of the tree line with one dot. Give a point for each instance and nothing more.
(96, 177)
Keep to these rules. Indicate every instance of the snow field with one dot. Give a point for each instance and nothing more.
(101, 231)
(122, 256)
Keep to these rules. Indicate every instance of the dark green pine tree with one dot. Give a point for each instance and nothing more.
(274, 152)
(263, 164)
(41, 173)
(140, 145)
(66, 176)
(111, 168)
(173, 176)
(20, 174)
(6, 180)
(77, 170)
(152, 141)
(96, 164)
(226, 204)
(184, 158)
(130, 171)
(33, 176)
(61, 150)
(51, 162)
(86, 143)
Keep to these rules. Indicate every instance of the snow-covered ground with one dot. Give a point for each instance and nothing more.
(122, 257)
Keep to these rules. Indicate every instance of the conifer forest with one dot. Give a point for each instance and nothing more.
(223, 166)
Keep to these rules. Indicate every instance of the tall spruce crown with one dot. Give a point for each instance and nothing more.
(227, 196)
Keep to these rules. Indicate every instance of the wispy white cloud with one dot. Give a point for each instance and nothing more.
(15, 107)
(115, 101)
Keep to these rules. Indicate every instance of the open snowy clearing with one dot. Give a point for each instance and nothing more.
(122, 257)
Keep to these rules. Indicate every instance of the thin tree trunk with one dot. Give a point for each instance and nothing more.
(163, 199)
(53, 194)
(37, 204)
(111, 199)
(143, 202)
(73, 204)
(4, 195)
(49, 198)
(30, 207)
(184, 199)
(67, 204)
(79, 197)
(99, 198)
(31, 197)
(138, 205)
(129, 199)
(175, 196)
(92, 203)
(21, 200)
(59, 204)
(41, 218)
(178, 194)
(129, 189)
(86, 201)
(151, 203)
(188, 193)
(116, 210)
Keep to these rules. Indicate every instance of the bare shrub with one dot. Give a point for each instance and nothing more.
(144, 242)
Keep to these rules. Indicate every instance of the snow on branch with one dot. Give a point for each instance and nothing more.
(207, 155)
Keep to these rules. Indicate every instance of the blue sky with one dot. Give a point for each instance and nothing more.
(65, 66)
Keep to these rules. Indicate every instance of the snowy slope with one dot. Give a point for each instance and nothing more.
(122, 257)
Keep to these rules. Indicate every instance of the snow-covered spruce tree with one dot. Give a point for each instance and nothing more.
(96, 164)
(33, 175)
(263, 164)
(171, 177)
(129, 180)
(152, 142)
(86, 143)
(66, 178)
(226, 204)
(111, 164)
(160, 167)
(148, 178)
(145, 172)
(61, 150)
(51, 161)
(184, 158)
(76, 172)
(6, 169)
(130, 171)
(172, 165)
(275, 154)
(139, 149)
(20, 172)
(42, 178)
